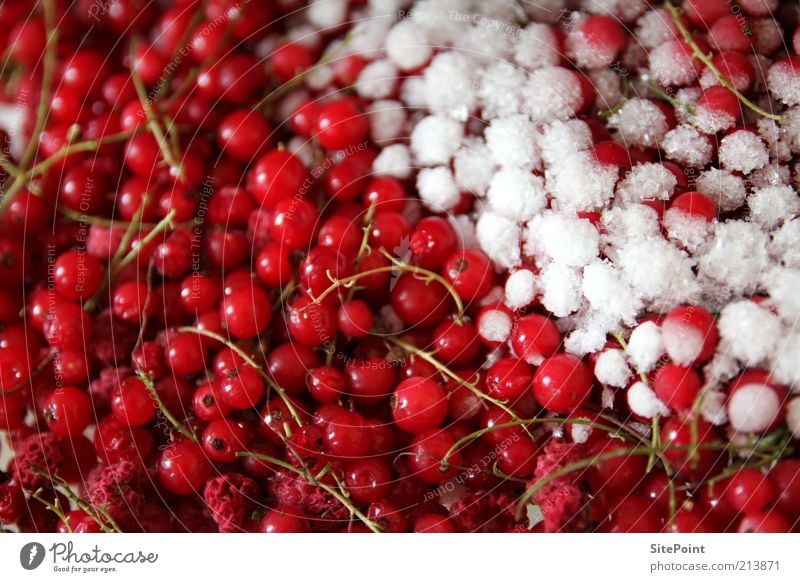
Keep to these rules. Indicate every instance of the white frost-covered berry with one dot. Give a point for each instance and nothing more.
(609, 293)
(564, 239)
(748, 331)
(327, 13)
(449, 84)
(726, 189)
(438, 189)
(647, 182)
(407, 45)
(516, 194)
(734, 260)
(612, 369)
(512, 142)
(386, 120)
(537, 47)
(645, 346)
(793, 417)
(561, 289)
(687, 146)
(395, 161)
(643, 401)
(743, 151)
(640, 123)
(773, 205)
(435, 139)
(753, 408)
(783, 80)
(553, 93)
(499, 238)
(494, 325)
(473, 166)
(672, 64)
(520, 289)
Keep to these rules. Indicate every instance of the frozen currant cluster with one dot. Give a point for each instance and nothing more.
(383, 265)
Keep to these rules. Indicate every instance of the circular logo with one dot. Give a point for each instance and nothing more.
(31, 555)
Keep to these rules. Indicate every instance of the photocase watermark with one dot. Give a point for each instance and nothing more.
(65, 558)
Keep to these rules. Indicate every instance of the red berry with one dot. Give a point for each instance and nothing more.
(284, 519)
(293, 223)
(418, 404)
(697, 205)
(183, 468)
(749, 490)
(678, 387)
(244, 134)
(355, 319)
(241, 388)
(690, 335)
(470, 272)
(346, 435)
(310, 323)
(432, 242)
(428, 450)
(508, 379)
(277, 175)
(68, 411)
(535, 337)
(246, 312)
(419, 302)
(341, 124)
(132, 402)
(368, 480)
(77, 275)
(562, 383)
(222, 439)
(326, 384)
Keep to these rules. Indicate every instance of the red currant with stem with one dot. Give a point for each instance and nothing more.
(535, 337)
(149, 360)
(390, 231)
(320, 265)
(284, 519)
(388, 518)
(132, 402)
(418, 404)
(222, 439)
(185, 354)
(277, 420)
(183, 468)
(428, 450)
(562, 383)
(688, 463)
(246, 313)
(207, 404)
(355, 319)
(68, 411)
(367, 480)
(340, 124)
(241, 387)
(385, 195)
(341, 233)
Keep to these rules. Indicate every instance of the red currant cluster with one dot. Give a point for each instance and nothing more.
(204, 329)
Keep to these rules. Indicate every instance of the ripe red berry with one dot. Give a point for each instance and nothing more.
(419, 302)
(690, 335)
(183, 468)
(418, 404)
(470, 272)
(77, 275)
(535, 337)
(277, 175)
(428, 450)
(132, 402)
(284, 519)
(222, 439)
(678, 387)
(562, 383)
(68, 411)
(246, 312)
(368, 480)
(340, 124)
(434, 240)
(355, 319)
(293, 223)
(508, 379)
(241, 387)
(749, 490)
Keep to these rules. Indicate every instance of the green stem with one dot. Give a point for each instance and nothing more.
(675, 13)
(338, 495)
(251, 362)
(148, 382)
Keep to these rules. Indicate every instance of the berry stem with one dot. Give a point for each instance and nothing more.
(251, 362)
(688, 107)
(148, 382)
(97, 513)
(48, 71)
(471, 386)
(675, 13)
(310, 478)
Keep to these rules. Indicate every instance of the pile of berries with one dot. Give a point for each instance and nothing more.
(267, 270)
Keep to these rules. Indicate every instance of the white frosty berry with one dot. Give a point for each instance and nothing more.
(435, 139)
(499, 238)
(607, 292)
(408, 46)
(645, 346)
(672, 63)
(327, 13)
(781, 285)
(501, 90)
(743, 151)
(623, 10)
(735, 259)
(753, 408)
(612, 369)
(386, 120)
(520, 290)
(713, 409)
(689, 231)
(450, 84)
(563, 239)
(647, 182)
(553, 93)
(773, 206)
(512, 142)
(578, 182)
(516, 194)
(494, 325)
(642, 401)
(473, 166)
(655, 28)
(377, 80)
(561, 289)
(640, 123)
(784, 363)
(783, 80)
(748, 332)
(784, 248)
(687, 146)
(537, 47)
(727, 190)
(438, 189)
(395, 161)
(561, 139)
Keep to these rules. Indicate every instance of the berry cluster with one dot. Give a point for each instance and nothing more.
(269, 271)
